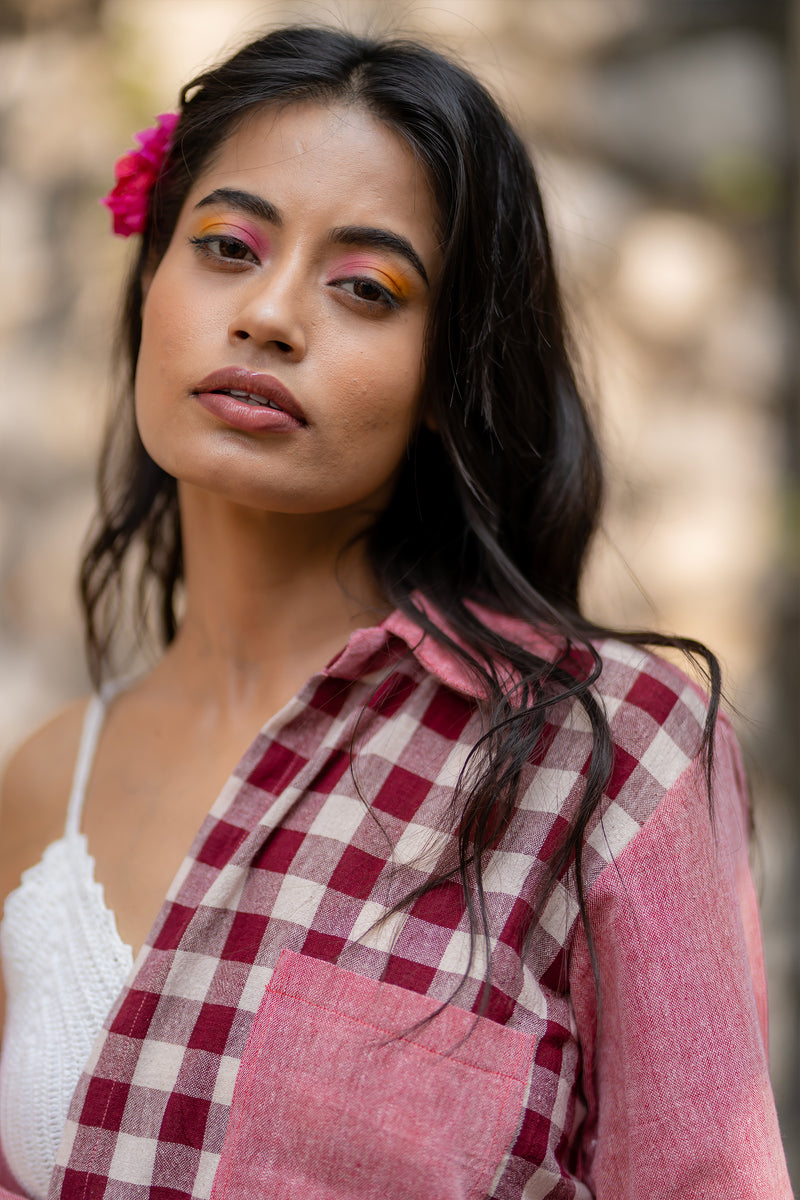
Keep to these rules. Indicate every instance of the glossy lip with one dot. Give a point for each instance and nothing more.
(287, 415)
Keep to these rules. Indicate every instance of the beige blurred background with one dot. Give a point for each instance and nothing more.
(664, 145)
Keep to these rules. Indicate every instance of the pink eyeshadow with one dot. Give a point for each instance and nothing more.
(246, 233)
(353, 266)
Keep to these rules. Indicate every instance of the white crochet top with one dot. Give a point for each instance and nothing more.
(64, 965)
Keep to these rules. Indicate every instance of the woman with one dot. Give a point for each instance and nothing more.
(459, 923)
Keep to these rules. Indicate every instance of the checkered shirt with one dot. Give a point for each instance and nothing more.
(247, 1006)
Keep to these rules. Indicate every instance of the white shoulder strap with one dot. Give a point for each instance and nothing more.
(92, 725)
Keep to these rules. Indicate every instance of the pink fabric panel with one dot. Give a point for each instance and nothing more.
(737, 832)
(676, 1082)
(9, 1188)
(326, 1105)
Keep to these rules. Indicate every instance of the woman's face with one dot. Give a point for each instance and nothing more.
(283, 330)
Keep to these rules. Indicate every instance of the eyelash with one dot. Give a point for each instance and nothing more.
(203, 246)
(387, 299)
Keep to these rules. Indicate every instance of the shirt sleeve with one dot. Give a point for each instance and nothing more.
(675, 1081)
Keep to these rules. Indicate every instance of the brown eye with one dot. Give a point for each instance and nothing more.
(365, 289)
(368, 291)
(226, 249)
(231, 248)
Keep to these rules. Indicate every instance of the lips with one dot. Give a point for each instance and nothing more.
(249, 390)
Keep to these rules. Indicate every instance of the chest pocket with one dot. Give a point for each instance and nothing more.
(330, 1102)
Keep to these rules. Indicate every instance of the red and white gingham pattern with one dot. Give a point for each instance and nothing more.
(292, 858)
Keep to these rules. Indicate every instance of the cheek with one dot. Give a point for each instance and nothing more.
(156, 327)
(175, 316)
(168, 358)
(399, 402)
(386, 390)
(383, 418)
(162, 350)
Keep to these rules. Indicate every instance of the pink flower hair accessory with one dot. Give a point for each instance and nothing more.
(136, 172)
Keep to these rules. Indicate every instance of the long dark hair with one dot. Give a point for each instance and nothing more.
(499, 505)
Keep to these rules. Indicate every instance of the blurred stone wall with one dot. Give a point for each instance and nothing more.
(665, 151)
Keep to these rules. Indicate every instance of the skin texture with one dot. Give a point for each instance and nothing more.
(271, 592)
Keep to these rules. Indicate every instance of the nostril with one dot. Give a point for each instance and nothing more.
(241, 335)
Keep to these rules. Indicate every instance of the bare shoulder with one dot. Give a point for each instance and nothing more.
(35, 791)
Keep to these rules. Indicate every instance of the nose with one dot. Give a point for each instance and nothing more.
(270, 313)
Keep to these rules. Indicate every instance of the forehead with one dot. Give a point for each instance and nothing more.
(331, 160)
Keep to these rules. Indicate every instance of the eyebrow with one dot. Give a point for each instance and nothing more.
(246, 202)
(345, 235)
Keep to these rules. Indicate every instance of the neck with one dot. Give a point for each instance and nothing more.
(269, 597)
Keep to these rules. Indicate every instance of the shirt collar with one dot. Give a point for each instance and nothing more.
(371, 648)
